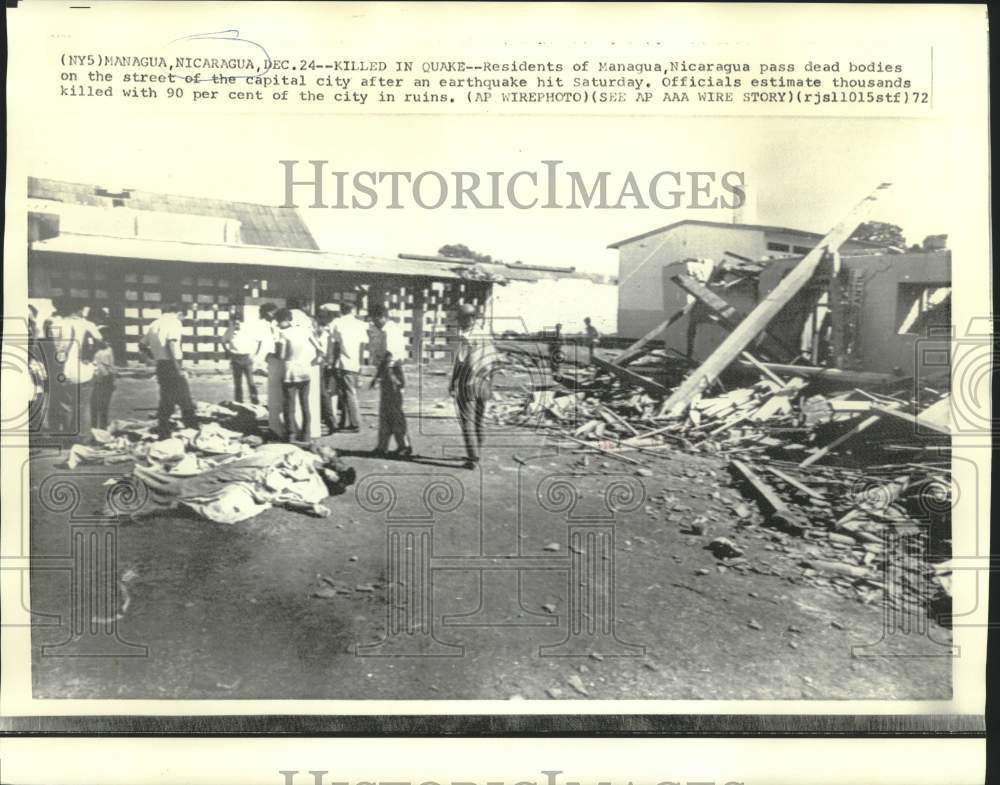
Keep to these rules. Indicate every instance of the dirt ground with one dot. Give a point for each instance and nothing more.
(252, 610)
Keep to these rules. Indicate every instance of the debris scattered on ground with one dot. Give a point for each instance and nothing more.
(848, 470)
(576, 683)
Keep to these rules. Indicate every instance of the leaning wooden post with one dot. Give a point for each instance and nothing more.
(767, 309)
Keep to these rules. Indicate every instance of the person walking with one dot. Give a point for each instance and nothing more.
(300, 352)
(390, 351)
(162, 342)
(71, 340)
(349, 333)
(471, 381)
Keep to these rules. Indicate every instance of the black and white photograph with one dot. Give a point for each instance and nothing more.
(552, 377)
(439, 474)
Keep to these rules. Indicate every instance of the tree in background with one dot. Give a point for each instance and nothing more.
(462, 251)
(881, 233)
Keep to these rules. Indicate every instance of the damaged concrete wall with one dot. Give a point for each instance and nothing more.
(641, 301)
(889, 285)
(891, 282)
(644, 298)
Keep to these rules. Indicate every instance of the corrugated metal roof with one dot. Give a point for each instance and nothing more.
(205, 253)
(723, 225)
(276, 227)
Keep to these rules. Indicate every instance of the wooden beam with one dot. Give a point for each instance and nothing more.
(862, 426)
(726, 314)
(799, 486)
(764, 492)
(914, 419)
(816, 373)
(762, 368)
(636, 348)
(768, 308)
(631, 377)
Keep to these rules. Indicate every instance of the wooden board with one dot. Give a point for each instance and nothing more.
(636, 348)
(631, 377)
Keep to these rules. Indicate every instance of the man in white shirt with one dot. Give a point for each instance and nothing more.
(301, 352)
(246, 342)
(472, 380)
(390, 352)
(349, 334)
(162, 342)
(71, 339)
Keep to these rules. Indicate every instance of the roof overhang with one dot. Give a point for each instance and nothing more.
(130, 248)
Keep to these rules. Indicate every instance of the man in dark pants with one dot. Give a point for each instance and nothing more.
(556, 351)
(471, 381)
(389, 356)
(162, 342)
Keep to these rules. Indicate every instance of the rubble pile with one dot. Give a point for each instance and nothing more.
(868, 530)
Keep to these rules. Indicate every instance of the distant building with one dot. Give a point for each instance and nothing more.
(128, 251)
(646, 261)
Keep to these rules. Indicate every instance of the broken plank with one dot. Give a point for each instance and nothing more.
(761, 316)
(631, 377)
(636, 348)
(725, 313)
(817, 373)
(762, 368)
(799, 486)
(764, 492)
(864, 425)
(913, 419)
(607, 413)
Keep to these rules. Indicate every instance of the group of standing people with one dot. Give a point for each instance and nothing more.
(301, 351)
(72, 367)
(297, 351)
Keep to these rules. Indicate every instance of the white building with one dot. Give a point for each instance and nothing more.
(647, 261)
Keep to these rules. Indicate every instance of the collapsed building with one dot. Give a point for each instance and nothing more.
(866, 308)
